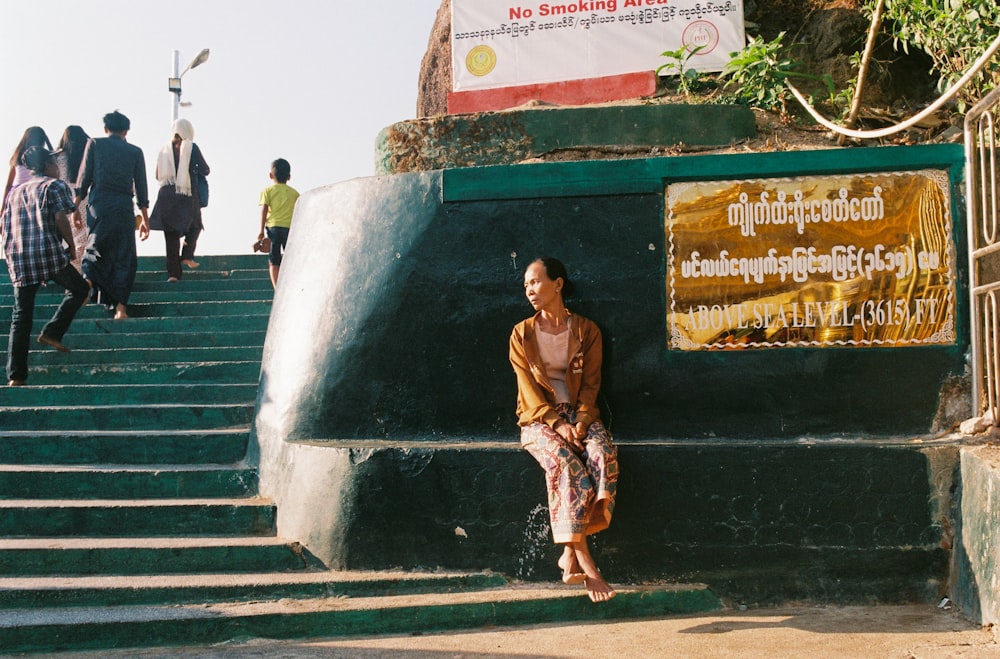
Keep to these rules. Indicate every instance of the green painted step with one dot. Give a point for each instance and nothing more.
(141, 309)
(218, 274)
(175, 294)
(207, 291)
(97, 340)
(259, 287)
(197, 339)
(66, 560)
(125, 394)
(248, 270)
(81, 354)
(258, 279)
(256, 288)
(142, 332)
(138, 518)
(105, 325)
(29, 447)
(128, 417)
(213, 295)
(125, 482)
(171, 588)
(221, 262)
(88, 628)
(214, 372)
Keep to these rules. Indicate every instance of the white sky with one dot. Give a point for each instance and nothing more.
(312, 81)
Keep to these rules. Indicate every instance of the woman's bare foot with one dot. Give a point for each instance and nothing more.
(598, 590)
(120, 312)
(571, 572)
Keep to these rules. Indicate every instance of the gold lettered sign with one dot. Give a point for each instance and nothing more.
(863, 260)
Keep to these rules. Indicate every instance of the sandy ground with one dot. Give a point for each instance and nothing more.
(910, 632)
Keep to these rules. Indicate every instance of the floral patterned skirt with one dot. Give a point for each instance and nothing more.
(581, 487)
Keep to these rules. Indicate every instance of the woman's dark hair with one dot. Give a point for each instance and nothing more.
(555, 269)
(282, 170)
(33, 136)
(116, 122)
(73, 142)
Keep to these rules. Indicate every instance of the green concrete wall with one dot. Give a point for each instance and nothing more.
(386, 396)
(395, 309)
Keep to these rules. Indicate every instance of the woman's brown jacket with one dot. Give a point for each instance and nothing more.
(535, 395)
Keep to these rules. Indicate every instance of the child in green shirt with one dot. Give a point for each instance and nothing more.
(277, 204)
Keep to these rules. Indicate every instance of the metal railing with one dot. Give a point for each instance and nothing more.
(983, 222)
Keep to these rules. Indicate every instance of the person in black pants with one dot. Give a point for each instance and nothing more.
(113, 172)
(33, 228)
(177, 211)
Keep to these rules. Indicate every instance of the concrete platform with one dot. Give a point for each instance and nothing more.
(207, 623)
(917, 631)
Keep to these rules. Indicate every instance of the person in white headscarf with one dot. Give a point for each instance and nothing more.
(177, 212)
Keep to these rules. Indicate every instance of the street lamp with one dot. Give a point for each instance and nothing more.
(174, 81)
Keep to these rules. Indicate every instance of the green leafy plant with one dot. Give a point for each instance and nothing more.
(759, 71)
(842, 100)
(687, 78)
(954, 33)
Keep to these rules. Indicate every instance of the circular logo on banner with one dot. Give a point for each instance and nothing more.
(701, 33)
(480, 60)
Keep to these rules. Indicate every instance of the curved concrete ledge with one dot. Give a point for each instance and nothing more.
(827, 522)
(504, 138)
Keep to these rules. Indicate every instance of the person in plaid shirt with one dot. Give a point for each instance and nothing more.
(33, 227)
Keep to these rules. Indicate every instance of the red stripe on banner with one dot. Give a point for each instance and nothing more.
(570, 92)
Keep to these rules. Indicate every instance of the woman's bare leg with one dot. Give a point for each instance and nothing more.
(598, 589)
(571, 572)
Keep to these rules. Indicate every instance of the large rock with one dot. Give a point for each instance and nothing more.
(823, 36)
(435, 69)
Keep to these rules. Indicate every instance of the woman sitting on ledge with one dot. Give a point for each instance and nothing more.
(556, 357)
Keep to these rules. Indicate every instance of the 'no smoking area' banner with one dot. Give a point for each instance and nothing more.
(511, 43)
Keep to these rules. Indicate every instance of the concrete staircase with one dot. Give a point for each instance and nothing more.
(130, 517)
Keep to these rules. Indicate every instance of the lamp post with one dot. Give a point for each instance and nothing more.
(174, 81)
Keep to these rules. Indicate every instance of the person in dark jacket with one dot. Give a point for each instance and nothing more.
(177, 211)
(113, 172)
